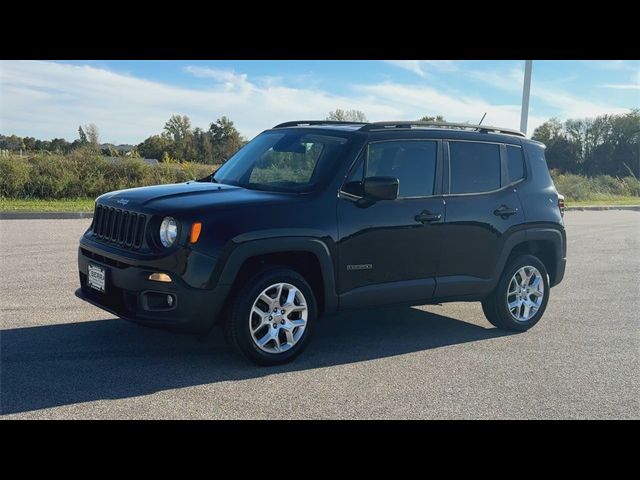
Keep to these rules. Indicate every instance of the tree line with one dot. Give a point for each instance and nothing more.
(177, 141)
(606, 144)
(87, 136)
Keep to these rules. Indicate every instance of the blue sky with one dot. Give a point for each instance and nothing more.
(130, 100)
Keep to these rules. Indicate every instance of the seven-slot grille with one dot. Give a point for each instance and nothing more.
(119, 226)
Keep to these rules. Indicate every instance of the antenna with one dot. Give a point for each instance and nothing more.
(485, 114)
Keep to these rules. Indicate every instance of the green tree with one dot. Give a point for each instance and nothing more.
(608, 144)
(82, 136)
(625, 136)
(12, 142)
(203, 145)
(29, 143)
(44, 145)
(92, 135)
(347, 116)
(549, 130)
(154, 147)
(225, 140)
(60, 145)
(178, 128)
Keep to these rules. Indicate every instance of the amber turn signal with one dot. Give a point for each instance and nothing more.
(196, 228)
(160, 277)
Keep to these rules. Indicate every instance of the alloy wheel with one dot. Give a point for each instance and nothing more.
(278, 318)
(525, 293)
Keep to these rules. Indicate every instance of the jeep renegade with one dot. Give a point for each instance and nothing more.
(313, 217)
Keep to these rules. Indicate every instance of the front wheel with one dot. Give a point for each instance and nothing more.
(272, 317)
(521, 296)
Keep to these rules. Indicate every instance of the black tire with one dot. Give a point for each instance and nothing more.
(237, 322)
(495, 306)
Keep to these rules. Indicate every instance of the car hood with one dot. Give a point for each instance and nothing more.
(189, 196)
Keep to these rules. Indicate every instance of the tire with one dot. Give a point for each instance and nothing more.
(291, 333)
(495, 306)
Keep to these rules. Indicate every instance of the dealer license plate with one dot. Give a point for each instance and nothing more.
(96, 278)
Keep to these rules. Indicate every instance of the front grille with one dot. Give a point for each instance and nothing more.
(118, 226)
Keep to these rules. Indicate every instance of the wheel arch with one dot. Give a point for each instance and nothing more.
(547, 244)
(292, 252)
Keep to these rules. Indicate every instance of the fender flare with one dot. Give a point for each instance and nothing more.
(551, 234)
(276, 244)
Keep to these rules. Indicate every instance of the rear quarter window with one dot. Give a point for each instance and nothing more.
(515, 163)
(539, 171)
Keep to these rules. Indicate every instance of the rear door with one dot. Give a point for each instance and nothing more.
(482, 208)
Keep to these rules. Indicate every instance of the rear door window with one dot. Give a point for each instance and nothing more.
(474, 167)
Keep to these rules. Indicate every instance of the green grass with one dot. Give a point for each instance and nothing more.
(37, 205)
(617, 200)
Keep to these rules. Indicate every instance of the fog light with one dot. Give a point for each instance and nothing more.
(170, 300)
(160, 277)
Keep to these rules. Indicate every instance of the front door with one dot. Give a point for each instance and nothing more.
(388, 251)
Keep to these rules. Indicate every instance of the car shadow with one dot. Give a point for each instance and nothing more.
(65, 364)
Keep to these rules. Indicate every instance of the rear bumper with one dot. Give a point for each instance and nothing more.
(128, 290)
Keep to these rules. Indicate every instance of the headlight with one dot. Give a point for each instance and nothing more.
(168, 231)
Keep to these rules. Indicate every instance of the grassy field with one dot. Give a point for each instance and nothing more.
(63, 183)
(607, 201)
(86, 204)
(37, 205)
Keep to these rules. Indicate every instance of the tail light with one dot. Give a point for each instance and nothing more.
(561, 204)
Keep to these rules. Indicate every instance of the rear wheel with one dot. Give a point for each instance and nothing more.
(272, 317)
(521, 296)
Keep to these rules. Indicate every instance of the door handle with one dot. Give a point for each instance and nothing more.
(427, 216)
(505, 211)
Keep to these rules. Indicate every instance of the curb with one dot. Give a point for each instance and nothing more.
(44, 215)
(604, 207)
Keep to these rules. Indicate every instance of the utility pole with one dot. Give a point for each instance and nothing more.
(526, 89)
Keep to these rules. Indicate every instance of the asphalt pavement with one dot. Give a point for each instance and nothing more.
(63, 358)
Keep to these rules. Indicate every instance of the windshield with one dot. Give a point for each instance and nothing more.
(282, 161)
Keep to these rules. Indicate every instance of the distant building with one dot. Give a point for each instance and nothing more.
(121, 149)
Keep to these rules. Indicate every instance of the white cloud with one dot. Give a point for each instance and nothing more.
(422, 67)
(48, 99)
(634, 85)
(415, 101)
(510, 80)
(565, 104)
(615, 65)
(230, 79)
(622, 86)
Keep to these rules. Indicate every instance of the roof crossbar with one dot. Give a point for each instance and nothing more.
(301, 123)
(408, 124)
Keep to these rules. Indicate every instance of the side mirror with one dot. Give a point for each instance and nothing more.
(381, 188)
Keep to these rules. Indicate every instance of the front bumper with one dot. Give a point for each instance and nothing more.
(128, 290)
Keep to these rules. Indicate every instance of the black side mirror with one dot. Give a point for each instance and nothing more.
(381, 188)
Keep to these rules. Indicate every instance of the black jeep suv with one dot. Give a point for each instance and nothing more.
(313, 217)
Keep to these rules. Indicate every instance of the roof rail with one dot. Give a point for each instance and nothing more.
(408, 124)
(316, 122)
